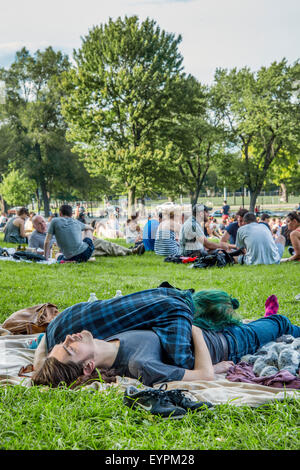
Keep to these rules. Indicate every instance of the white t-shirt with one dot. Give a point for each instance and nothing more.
(259, 243)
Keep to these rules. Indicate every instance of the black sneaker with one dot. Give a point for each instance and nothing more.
(138, 250)
(155, 401)
(178, 398)
(141, 249)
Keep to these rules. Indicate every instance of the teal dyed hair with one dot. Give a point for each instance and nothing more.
(214, 310)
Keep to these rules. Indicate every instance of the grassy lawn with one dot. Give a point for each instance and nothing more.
(64, 419)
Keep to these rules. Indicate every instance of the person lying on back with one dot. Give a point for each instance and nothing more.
(148, 336)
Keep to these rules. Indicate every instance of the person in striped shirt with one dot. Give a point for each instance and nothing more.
(166, 238)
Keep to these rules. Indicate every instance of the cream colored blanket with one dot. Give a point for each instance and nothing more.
(15, 353)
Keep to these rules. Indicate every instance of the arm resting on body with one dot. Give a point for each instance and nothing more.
(203, 368)
(40, 354)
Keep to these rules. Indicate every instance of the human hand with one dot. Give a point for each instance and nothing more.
(223, 366)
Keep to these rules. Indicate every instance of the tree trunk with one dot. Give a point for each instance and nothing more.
(131, 199)
(253, 197)
(46, 199)
(3, 205)
(38, 200)
(284, 190)
(194, 196)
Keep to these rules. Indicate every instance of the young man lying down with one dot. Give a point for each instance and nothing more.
(149, 336)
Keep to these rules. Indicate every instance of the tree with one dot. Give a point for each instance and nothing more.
(17, 189)
(262, 112)
(123, 84)
(7, 145)
(197, 134)
(32, 110)
(284, 173)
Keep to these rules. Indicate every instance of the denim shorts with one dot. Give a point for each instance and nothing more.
(82, 257)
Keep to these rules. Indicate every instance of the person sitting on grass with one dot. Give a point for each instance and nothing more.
(149, 232)
(231, 230)
(38, 236)
(166, 237)
(265, 219)
(193, 242)
(15, 227)
(258, 244)
(293, 224)
(157, 335)
(68, 233)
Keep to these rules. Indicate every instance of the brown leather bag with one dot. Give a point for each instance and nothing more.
(31, 320)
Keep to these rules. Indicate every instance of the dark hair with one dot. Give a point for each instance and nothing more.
(265, 216)
(55, 373)
(23, 210)
(67, 210)
(249, 218)
(294, 216)
(241, 212)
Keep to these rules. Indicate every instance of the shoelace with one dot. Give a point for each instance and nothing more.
(160, 394)
(178, 393)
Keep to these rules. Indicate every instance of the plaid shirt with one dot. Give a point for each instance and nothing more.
(165, 311)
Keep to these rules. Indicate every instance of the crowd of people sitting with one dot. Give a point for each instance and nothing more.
(251, 238)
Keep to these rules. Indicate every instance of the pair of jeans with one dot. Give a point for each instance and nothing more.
(82, 257)
(248, 338)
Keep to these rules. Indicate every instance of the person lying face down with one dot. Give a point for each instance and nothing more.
(165, 347)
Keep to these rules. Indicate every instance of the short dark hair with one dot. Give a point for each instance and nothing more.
(23, 210)
(241, 212)
(67, 210)
(265, 216)
(249, 218)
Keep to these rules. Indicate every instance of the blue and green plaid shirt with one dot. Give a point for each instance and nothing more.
(168, 312)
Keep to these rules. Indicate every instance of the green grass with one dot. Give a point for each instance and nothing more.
(64, 419)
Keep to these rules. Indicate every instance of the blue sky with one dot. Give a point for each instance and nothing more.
(215, 33)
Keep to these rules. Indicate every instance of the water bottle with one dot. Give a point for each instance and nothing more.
(118, 294)
(92, 297)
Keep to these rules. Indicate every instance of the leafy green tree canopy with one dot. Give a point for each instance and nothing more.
(262, 113)
(124, 82)
(17, 189)
(32, 110)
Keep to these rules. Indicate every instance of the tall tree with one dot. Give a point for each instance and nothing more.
(198, 135)
(32, 109)
(123, 83)
(262, 112)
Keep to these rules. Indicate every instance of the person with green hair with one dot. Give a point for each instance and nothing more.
(215, 309)
(155, 335)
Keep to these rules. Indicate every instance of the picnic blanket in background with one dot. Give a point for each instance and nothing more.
(15, 353)
(8, 255)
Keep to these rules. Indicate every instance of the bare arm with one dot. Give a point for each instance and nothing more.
(203, 368)
(225, 237)
(40, 354)
(47, 245)
(212, 245)
(295, 239)
(21, 224)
